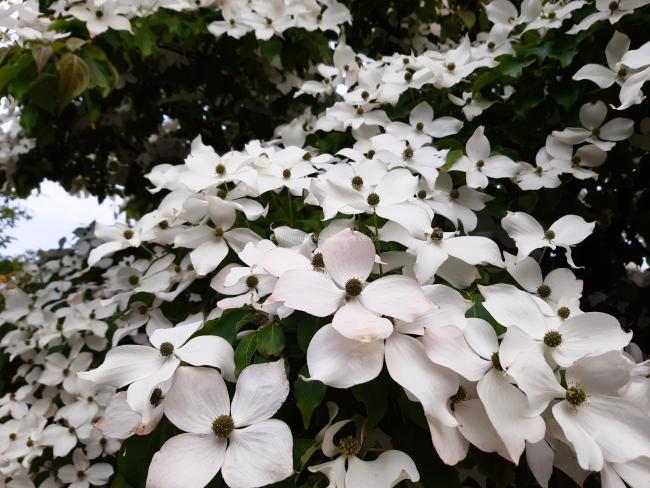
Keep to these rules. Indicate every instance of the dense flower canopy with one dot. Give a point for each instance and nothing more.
(237, 333)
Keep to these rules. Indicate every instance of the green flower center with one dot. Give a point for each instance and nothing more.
(220, 169)
(156, 397)
(451, 66)
(166, 349)
(373, 199)
(317, 260)
(564, 312)
(133, 280)
(552, 338)
(576, 396)
(496, 362)
(419, 126)
(252, 281)
(408, 153)
(128, 234)
(436, 234)
(223, 426)
(357, 182)
(544, 291)
(422, 194)
(218, 232)
(353, 287)
(349, 446)
(286, 174)
(359, 110)
(480, 163)
(549, 235)
(163, 224)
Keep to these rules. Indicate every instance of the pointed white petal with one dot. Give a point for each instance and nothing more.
(190, 460)
(258, 455)
(261, 390)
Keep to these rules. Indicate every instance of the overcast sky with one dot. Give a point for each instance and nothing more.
(55, 214)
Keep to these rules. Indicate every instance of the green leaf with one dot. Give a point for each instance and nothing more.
(74, 78)
(306, 330)
(486, 79)
(309, 395)
(11, 71)
(270, 48)
(228, 324)
(42, 54)
(120, 482)
(271, 340)
(452, 156)
(101, 71)
(513, 67)
(245, 351)
(374, 395)
(468, 17)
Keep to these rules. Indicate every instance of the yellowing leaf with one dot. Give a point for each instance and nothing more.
(73, 78)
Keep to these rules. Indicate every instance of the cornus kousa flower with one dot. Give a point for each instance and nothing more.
(348, 470)
(238, 438)
(600, 425)
(341, 363)
(558, 285)
(210, 244)
(422, 127)
(478, 165)
(145, 367)
(594, 131)
(614, 72)
(529, 235)
(433, 247)
(81, 474)
(342, 290)
(456, 204)
(474, 353)
(100, 15)
(563, 339)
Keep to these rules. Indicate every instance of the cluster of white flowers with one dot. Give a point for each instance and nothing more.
(12, 141)
(55, 332)
(264, 18)
(392, 270)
